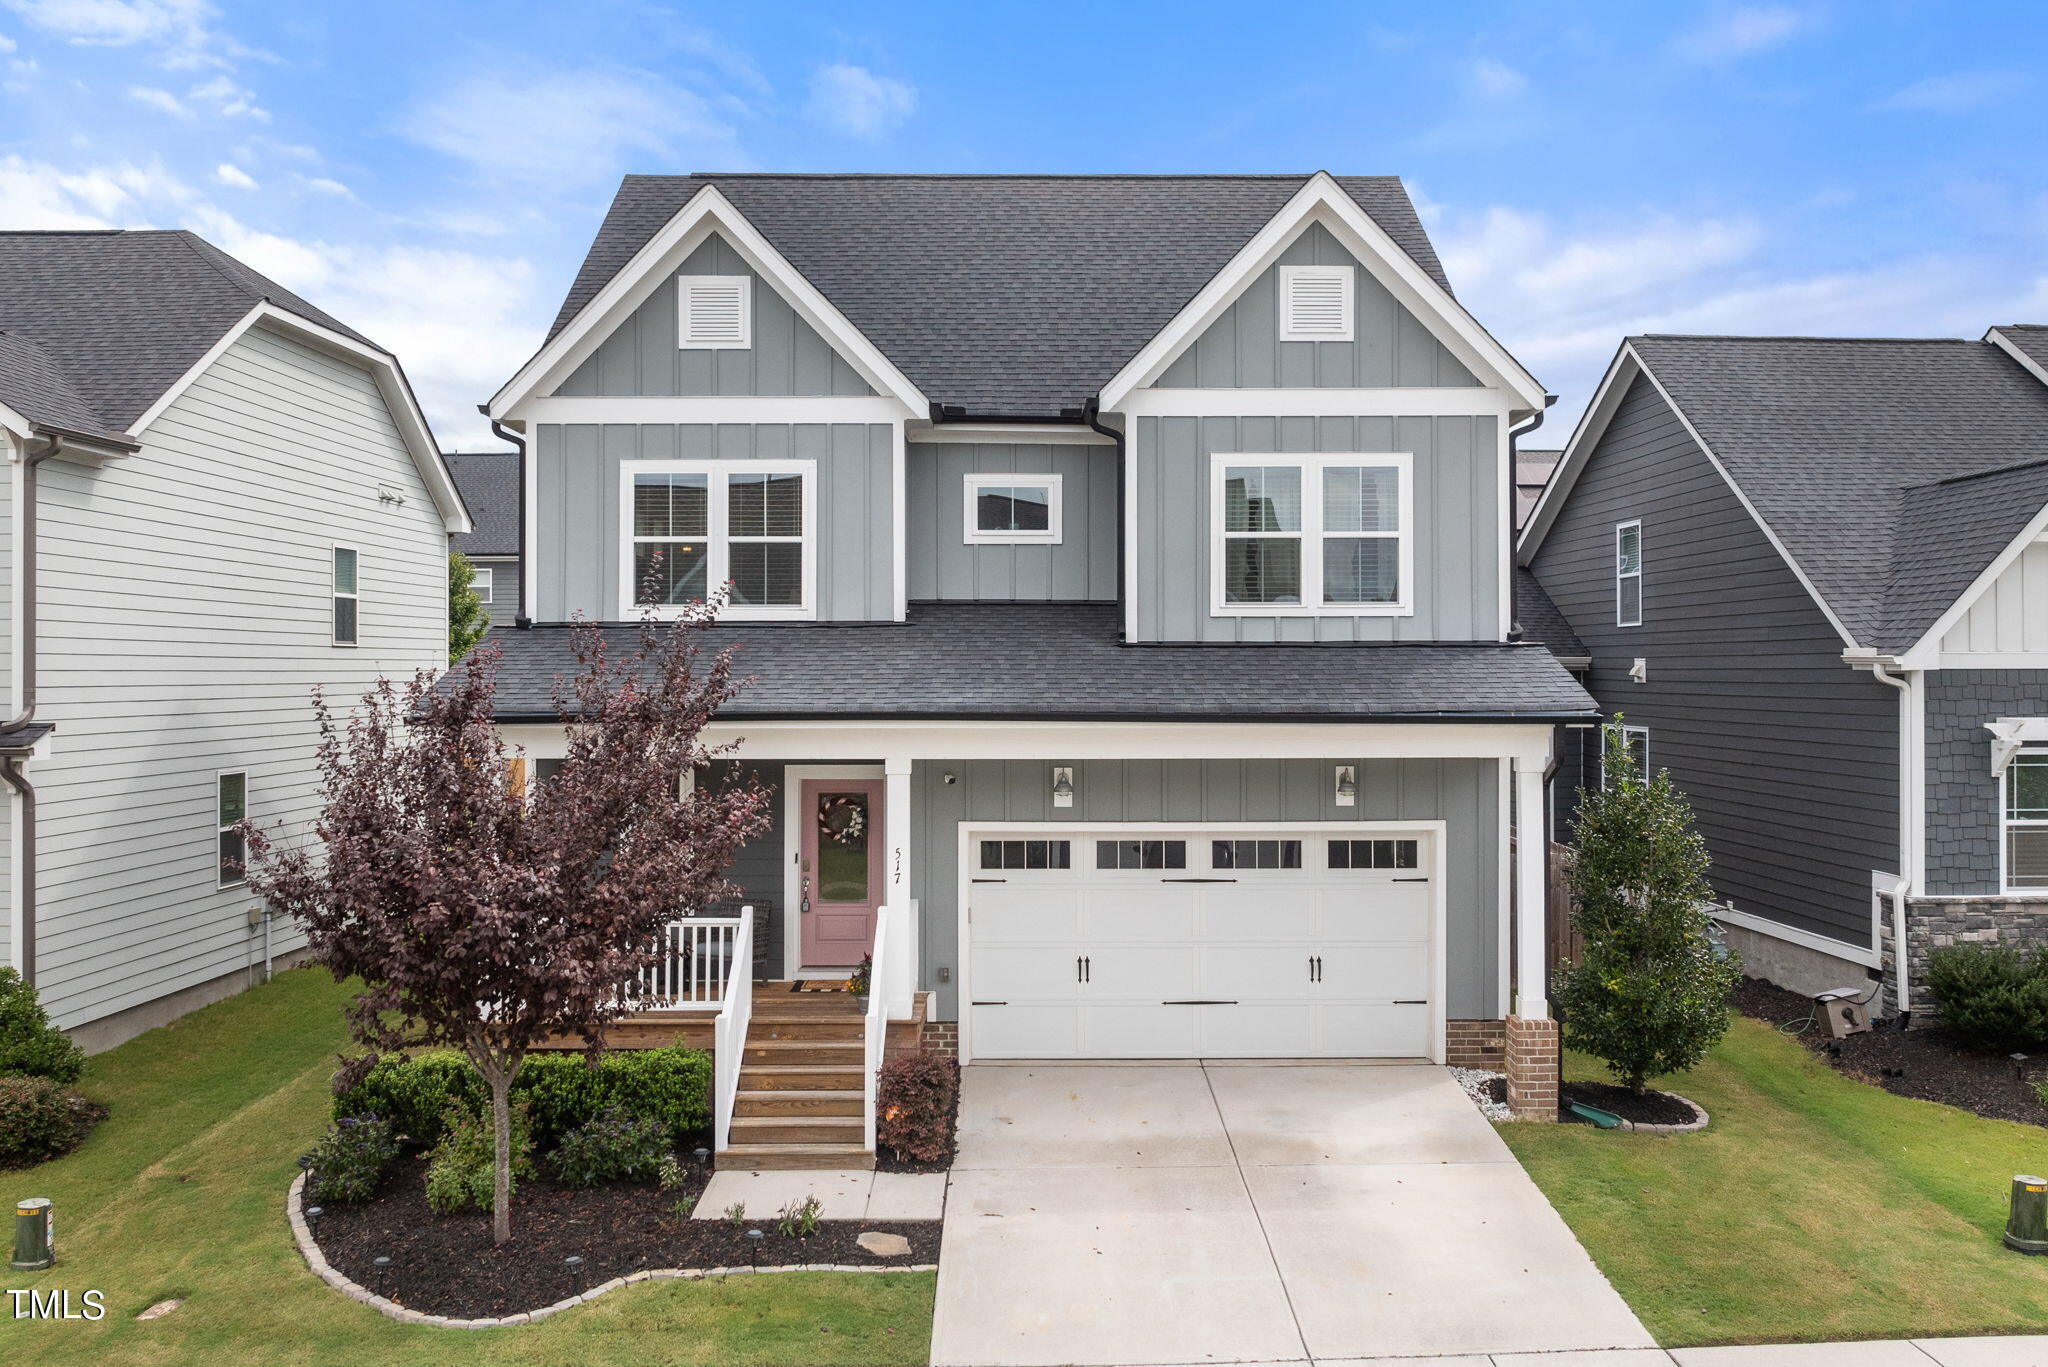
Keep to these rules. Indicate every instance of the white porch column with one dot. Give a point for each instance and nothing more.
(897, 906)
(1532, 855)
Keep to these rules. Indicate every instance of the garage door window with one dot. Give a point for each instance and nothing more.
(1373, 854)
(1141, 854)
(1255, 854)
(1027, 854)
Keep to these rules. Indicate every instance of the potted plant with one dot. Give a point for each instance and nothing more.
(857, 981)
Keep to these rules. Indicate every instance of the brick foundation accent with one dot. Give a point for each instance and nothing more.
(941, 1037)
(1476, 1044)
(1533, 1058)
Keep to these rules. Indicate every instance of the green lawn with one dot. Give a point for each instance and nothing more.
(1814, 1207)
(181, 1194)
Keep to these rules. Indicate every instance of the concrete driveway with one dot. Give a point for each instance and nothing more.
(1129, 1215)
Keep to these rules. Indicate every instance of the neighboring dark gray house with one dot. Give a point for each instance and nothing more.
(1811, 577)
(1125, 563)
(489, 481)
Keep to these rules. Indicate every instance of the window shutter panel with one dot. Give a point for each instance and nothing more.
(1315, 303)
(714, 310)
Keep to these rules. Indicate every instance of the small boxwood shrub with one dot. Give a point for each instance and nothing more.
(350, 1161)
(615, 1144)
(561, 1091)
(29, 1045)
(916, 1098)
(1992, 997)
(41, 1119)
(462, 1169)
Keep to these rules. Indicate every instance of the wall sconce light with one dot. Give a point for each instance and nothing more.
(1062, 787)
(1347, 785)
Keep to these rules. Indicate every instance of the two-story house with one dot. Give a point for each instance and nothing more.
(1811, 576)
(216, 497)
(489, 482)
(1124, 563)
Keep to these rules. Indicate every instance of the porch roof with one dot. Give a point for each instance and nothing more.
(1062, 661)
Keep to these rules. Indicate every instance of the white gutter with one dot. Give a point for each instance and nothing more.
(1912, 849)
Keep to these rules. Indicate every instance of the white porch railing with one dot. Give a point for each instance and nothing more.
(889, 998)
(729, 1027)
(697, 959)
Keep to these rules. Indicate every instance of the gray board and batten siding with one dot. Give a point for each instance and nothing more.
(1080, 567)
(1464, 793)
(576, 525)
(641, 358)
(1789, 757)
(1457, 500)
(1965, 802)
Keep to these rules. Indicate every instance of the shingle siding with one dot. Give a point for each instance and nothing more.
(1964, 801)
(1788, 756)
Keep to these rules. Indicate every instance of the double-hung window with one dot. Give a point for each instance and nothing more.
(230, 805)
(482, 584)
(1636, 739)
(691, 526)
(1628, 574)
(2026, 822)
(1312, 535)
(347, 601)
(1012, 510)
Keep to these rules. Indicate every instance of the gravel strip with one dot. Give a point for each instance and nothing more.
(1474, 1081)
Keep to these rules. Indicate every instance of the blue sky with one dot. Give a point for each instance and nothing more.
(432, 172)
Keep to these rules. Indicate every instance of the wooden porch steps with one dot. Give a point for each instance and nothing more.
(800, 1097)
(797, 1156)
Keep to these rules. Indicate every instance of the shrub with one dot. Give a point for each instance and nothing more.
(29, 1045)
(40, 1119)
(1991, 997)
(800, 1220)
(615, 1144)
(350, 1161)
(462, 1169)
(915, 1100)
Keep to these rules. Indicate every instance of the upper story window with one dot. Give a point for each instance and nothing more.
(230, 806)
(1628, 574)
(1012, 509)
(1312, 535)
(692, 525)
(1315, 303)
(2026, 821)
(347, 601)
(482, 584)
(1637, 739)
(714, 311)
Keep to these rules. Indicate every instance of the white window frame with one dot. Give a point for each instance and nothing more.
(1346, 276)
(220, 828)
(718, 541)
(745, 283)
(1621, 619)
(2007, 823)
(1312, 535)
(971, 491)
(1628, 733)
(481, 583)
(335, 595)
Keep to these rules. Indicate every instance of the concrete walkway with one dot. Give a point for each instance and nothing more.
(1125, 1216)
(1978, 1352)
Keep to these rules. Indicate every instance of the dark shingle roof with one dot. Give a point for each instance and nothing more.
(2031, 339)
(1540, 620)
(1532, 471)
(489, 483)
(1005, 295)
(1832, 440)
(121, 315)
(1062, 660)
(33, 386)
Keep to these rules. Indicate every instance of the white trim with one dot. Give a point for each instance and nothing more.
(1532, 895)
(1437, 832)
(718, 539)
(335, 595)
(529, 523)
(2010, 736)
(1007, 434)
(687, 289)
(1997, 337)
(1927, 649)
(1127, 504)
(220, 828)
(2006, 821)
(971, 487)
(710, 408)
(1627, 733)
(1435, 401)
(707, 212)
(899, 513)
(1344, 278)
(490, 581)
(793, 779)
(1323, 200)
(1504, 893)
(1635, 574)
(1964, 659)
(1855, 954)
(1311, 534)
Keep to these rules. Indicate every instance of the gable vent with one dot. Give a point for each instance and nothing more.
(714, 310)
(1315, 303)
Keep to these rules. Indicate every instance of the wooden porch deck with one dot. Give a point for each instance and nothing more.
(692, 1029)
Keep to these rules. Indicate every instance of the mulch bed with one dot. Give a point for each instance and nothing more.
(1924, 1063)
(1651, 1108)
(447, 1265)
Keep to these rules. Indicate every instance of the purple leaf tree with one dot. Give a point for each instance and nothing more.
(485, 910)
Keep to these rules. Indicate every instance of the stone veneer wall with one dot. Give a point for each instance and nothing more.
(1936, 922)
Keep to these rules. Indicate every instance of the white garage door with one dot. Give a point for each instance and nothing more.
(1199, 945)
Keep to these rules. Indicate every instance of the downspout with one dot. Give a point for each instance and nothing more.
(522, 620)
(1092, 415)
(1907, 854)
(25, 710)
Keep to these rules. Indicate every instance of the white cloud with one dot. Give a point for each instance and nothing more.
(1741, 31)
(227, 173)
(1497, 80)
(7, 44)
(230, 100)
(36, 194)
(854, 102)
(564, 130)
(322, 185)
(181, 33)
(1956, 93)
(162, 100)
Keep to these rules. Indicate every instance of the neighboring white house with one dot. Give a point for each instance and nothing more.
(234, 498)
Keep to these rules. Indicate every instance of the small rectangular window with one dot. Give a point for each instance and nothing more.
(230, 806)
(347, 602)
(1375, 854)
(1628, 574)
(1012, 510)
(1637, 739)
(2026, 821)
(1141, 854)
(714, 312)
(1315, 303)
(1255, 854)
(482, 585)
(1026, 854)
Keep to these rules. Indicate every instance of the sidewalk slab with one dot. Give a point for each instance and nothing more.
(1887, 1353)
(2020, 1350)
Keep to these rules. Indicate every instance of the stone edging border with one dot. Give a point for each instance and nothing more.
(317, 1261)
(1698, 1121)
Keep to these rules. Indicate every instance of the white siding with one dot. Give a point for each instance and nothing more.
(185, 602)
(2012, 615)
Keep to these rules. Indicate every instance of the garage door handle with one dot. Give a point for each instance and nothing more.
(1409, 880)
(1198, 1003)
(988, 880)
(1198, 880)
(988, 1003)
(1413, 1001)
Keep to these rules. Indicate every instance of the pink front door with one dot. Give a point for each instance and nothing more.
(840, 874)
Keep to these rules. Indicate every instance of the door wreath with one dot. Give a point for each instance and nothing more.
(843, 818)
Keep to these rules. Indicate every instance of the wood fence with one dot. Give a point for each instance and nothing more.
(1565, 942)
